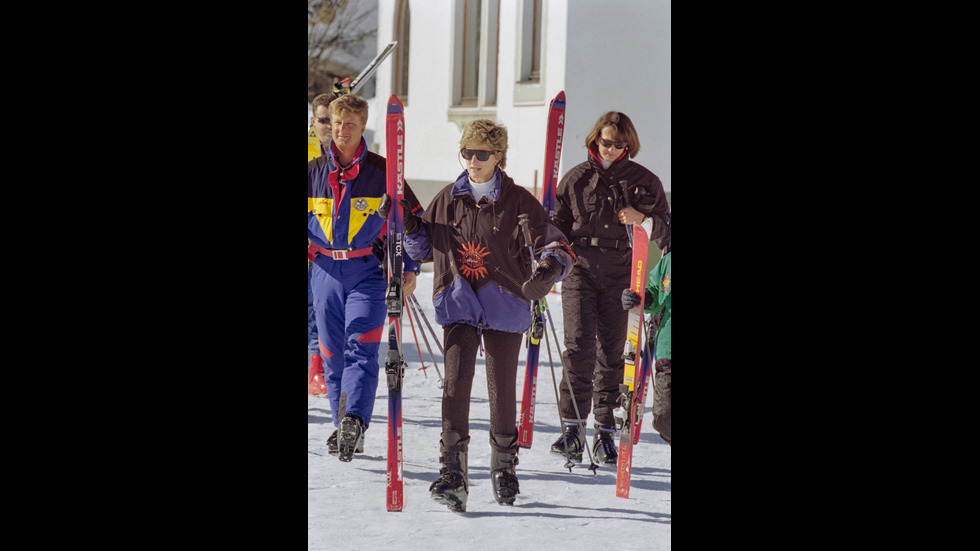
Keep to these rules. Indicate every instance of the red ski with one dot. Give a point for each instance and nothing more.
(552, 156)
(634, 325)
(395, 362)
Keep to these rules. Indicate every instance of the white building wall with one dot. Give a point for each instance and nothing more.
(605, 55)
(619, 60)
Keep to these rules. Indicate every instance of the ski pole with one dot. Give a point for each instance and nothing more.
(522, 220)
(416, 337)
(414, 303)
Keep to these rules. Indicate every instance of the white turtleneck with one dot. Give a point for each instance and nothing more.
(479, 190)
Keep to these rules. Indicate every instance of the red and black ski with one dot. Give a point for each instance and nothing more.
(552, 157)
(633, 348)
(395, 362)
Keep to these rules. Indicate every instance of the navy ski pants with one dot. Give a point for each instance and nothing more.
(349, 297)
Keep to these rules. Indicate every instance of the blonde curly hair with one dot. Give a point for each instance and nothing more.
(486, 131)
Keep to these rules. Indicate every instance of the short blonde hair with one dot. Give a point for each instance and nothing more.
(349, 104)
(486, 131)
(623, 127)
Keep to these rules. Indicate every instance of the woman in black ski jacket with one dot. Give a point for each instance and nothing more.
(596, 201)
(482, 289)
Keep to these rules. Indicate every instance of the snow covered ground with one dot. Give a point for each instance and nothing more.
(556, 509)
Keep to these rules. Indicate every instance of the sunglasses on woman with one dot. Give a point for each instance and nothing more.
(617, 145)
(481, 155)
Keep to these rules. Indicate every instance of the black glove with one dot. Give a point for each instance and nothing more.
(631, 299)
(378, 248)
(544, 277)
(410, 222)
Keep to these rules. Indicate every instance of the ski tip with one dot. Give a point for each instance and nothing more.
(395, 105)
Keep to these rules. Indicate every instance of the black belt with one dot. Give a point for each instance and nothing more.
(601, 242)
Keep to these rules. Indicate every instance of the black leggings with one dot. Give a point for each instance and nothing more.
(502, 350)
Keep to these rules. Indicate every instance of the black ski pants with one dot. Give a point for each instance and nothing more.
(595, 332)
(501, 350)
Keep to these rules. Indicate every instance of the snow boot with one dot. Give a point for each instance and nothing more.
(503, 459)
(452, 488)
(351, 432)
(316, 386)
(333, 448)
(604, 445)
(572, 435)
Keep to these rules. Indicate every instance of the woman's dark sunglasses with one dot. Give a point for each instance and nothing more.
(481, 155)
(607, 143)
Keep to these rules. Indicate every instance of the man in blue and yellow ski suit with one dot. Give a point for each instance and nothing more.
(345, 188)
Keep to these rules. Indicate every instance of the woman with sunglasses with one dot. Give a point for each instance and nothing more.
(482, 290)
(597, 201)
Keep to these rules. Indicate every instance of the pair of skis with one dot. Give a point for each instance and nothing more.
(394, 301)
(630, 412)
(556, 126)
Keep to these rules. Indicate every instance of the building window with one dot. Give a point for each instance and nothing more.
(531, 62)
(475, 56)
(400, 65)
(530, 41)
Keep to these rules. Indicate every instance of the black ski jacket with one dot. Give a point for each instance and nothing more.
(588, 198)
(479, 254)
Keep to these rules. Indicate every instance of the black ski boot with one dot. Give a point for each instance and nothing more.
(604, 445)
(333, 448)
(351, 432)
(503, 458)
(572, 435)
(452, 488)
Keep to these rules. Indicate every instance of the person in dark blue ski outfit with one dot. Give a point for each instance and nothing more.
(346, 187)
(482, 290)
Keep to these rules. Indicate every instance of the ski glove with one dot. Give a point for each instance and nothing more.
(378, 248)
(632, 300)
(410, 222)
(544, 277)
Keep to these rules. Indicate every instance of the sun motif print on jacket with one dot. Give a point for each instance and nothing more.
(471, 262)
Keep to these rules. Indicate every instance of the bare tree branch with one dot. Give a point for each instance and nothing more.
(334, 26)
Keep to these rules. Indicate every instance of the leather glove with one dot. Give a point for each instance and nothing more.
(544, 277)
(631, 299)
(378, 248)
(410, 222)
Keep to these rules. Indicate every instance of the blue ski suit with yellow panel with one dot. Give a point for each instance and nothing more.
(348, 280)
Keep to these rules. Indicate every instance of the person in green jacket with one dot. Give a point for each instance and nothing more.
(657, 299)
